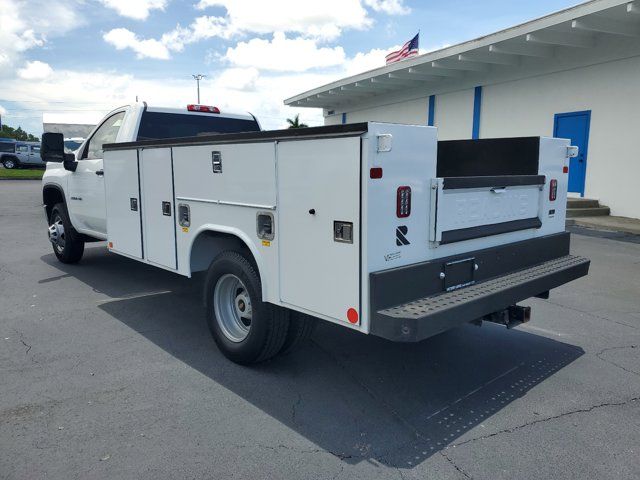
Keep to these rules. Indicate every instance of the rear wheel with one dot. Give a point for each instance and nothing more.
(246, 329)
(301, 327)
(66, 242)
(10, 163)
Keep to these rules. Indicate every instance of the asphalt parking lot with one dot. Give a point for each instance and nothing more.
(107, 370)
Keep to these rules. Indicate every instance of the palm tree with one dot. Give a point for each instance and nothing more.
(295, 123)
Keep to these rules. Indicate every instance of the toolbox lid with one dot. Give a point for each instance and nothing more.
(346, 130)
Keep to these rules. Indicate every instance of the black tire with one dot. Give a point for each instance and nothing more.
(73, 247)
(269, 324)
(11, 163)
(301, 327)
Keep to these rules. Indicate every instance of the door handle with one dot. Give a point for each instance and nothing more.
(100, 172)
(498, 190)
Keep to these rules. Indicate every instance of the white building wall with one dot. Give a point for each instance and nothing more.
(610, 91)
(454, 115)
(411, 112)
(527, 107)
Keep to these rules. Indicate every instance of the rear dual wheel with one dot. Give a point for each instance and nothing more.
(246, 329)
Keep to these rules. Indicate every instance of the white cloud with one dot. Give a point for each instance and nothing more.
(284, 54)
(363, 62)
(201, 28)
(24, 26)
(390, 7)
(318, 21)
(242, 79)
(3, 111)
(35, 70)
(121, 38)
(323, 19)
(136, 9)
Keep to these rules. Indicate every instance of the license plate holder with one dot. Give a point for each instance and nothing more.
(459, 274)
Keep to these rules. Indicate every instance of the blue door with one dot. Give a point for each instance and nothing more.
(575, 126)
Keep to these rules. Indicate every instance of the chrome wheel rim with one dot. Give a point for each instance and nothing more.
(232, 307)
(56, 234)
(9, 164)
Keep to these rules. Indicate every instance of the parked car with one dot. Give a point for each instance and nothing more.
(20, 154)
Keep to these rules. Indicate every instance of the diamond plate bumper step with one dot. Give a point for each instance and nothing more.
(422, 318)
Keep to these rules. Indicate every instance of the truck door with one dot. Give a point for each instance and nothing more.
(158, 209)
(86, 200)
(319, 225)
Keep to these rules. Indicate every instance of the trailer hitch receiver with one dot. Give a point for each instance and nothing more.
(510, 317)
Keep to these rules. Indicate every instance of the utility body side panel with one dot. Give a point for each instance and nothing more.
(124, 225)
(156, 170)
(227, 202)
(319, 185)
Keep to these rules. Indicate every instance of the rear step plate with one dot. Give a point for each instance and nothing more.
(431, 315)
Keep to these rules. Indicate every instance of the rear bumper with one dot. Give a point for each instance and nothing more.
(513, 273)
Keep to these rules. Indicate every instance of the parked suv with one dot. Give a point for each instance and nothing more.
(21, 154)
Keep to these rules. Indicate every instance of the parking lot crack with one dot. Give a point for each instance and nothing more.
(416, 434)
(591, 314)
(611, 362)
(454, 465)
(548, 419)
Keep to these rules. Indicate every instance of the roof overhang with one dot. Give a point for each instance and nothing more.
(576, 28)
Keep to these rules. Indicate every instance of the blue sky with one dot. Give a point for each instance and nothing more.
(85, 57)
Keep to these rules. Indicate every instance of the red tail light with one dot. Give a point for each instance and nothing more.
(203, 108)
(403, 202)
(553, 190)
(375, 173)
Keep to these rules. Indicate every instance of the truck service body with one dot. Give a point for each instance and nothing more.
(373, 226)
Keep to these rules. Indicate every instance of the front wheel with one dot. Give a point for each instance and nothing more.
(66, 242)
(246, 329)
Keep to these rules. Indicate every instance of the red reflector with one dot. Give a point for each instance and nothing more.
(403, 202)
(553, 190)
(375, 173)
(202, 108)
(352, 315)
(565, 169)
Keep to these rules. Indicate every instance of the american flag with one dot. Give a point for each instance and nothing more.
(408, 50)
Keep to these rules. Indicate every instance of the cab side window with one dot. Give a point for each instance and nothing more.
(22, 149)
(107, 133)
(35, 150)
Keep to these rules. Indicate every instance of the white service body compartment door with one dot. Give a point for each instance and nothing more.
(158, 209)
(122, 190)
(319, 184)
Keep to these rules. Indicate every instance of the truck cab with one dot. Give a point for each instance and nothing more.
(79, 184)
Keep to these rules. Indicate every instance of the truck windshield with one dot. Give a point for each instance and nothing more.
(158, 125)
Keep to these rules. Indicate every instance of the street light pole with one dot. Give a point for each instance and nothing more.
(198, 77)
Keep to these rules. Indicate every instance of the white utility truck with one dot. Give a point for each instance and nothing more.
(372, 226)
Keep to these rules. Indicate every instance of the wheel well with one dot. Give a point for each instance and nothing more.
(12, 157)
(50, 196)
(209, 244)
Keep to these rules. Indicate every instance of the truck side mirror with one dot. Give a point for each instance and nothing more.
(52, 147)
(52, 150)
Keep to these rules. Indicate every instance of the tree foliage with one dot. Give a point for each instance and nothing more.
(295, 122)
(17, 134)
